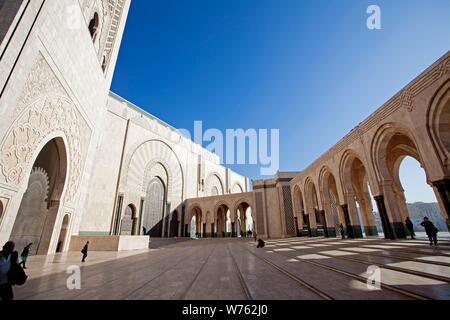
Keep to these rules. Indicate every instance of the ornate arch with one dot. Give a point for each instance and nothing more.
(241, 201)
(299, 204)
(237, 188)
(325, 188)
(44, 111)
(345, 169)
(391, 143)
(438, 123)
(214, 181)
(310, 194)
(190, 210)
(218, 205)
(141, 160)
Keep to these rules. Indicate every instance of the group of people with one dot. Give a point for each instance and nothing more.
(430, 230)
(9, 261)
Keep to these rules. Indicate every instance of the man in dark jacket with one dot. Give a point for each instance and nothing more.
(85, 251)
(431, 230)
(410, 227)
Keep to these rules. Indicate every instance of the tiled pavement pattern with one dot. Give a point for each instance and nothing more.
(296, 268)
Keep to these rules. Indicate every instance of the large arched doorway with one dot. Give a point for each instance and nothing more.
(243, 222)
(315, 219)
(35, 221)
(155, 203)
(439, 130)
(93, 26)
(333, 216)
(396, 146)
(223, 218)
(63, 233)
(420, 198)
(299, 210)
(196, 223)
(358, 211)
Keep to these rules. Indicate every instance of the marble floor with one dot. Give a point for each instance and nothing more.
(234, 269)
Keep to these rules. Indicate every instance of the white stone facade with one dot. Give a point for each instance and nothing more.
(57, 60)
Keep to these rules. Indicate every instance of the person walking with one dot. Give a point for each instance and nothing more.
(261, 244)
(24, 255)
(431, 230)
(85, 251)
(410, 227)
(7, 257)
(341, 227)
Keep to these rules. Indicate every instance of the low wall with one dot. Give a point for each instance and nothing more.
(109, 243)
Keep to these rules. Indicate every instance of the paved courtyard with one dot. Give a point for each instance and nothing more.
(209, 269)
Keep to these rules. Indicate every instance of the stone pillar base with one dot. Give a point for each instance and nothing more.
(331, 232)
(371, 231)
(314, 233)
(357, 232)
(399, 230)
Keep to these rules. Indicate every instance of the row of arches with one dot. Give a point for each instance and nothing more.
(223, 222)
(152, 198)
(214, 186)
(366, 183)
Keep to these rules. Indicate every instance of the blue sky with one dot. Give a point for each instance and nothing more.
(310, 68)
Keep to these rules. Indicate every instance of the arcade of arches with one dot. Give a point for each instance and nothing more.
(363, 168)
(78, 161)
(220, 216)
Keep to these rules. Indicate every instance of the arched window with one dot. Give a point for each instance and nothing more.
(1, 210)
(93, 26)
(104, 63)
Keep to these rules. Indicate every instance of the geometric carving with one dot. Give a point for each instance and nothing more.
(44, 108)
(213, 182)
(288, 210)
(140, 162)
(40, 82)
(260, 213)
(406, 100)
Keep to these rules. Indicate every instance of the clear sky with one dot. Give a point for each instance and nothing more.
(310, 68)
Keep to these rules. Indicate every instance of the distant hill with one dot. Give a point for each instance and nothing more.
(417, 211)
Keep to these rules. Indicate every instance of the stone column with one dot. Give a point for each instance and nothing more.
(401, 201)
(393, 211)
(443, 188)
(312, 225)
(370, 227)
(329, 220)
(355, 225)
(325, 224)
(179, 229)
(233, 229)
(348, 225)
(387, 228)
(300, 224)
